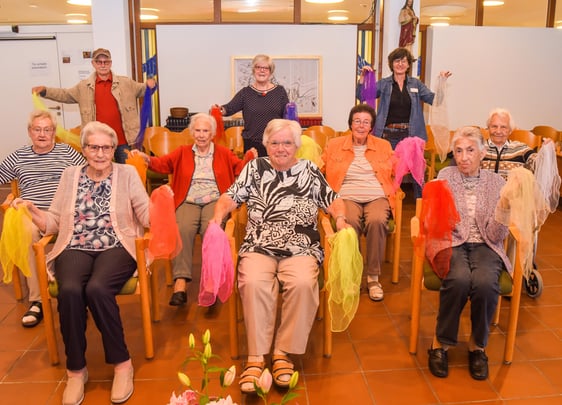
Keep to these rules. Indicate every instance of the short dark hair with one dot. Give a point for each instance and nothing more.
(359, 108)
(400, 53)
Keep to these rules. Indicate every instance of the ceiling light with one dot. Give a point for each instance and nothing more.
(324, 1)
(148, 17)
(440, 18)
(80, 2)
(440, 24)
(492, 3)
(338, 18)
(76, 21)
(150, 9)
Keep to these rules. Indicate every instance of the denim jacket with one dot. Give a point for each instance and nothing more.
(418, 92)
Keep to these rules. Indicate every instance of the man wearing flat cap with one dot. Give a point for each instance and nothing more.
(105, 97)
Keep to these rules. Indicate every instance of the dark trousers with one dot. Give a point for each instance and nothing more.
(92, 279)
(120, 154)
(251, 143)
(474, 273)
(395, 135)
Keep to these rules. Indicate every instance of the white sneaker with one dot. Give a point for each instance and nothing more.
(375, 291)
(122, 387)
(74, 392)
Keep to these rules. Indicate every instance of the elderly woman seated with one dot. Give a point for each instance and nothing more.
(472, 263)
(281, 250)
(359, 167)
(98, 211)
(202, 171)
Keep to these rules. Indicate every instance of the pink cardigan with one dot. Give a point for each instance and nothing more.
(181, 163)
(338, 156)
(128, 208)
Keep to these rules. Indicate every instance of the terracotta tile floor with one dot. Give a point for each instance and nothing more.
(370, 362)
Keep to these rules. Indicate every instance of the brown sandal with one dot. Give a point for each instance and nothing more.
(251, 373)
(281, 365)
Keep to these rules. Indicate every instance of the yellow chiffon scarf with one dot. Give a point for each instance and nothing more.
(345, 269)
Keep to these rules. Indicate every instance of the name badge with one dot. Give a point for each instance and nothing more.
(414, 89)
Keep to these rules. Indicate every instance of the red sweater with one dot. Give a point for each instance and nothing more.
(181, 163)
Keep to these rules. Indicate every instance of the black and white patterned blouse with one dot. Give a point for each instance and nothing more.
(282, 208)
(92, 224)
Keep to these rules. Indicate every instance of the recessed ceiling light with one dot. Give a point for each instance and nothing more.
(338, 11)
(440, 18)
(150, 9)
(440, 24)
(338, 18)
(77, 21)
(76, 15)
(324, 1)
(80, 2)
(492, 3)
(148, 17)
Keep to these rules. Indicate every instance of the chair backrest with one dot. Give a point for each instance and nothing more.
(233, 140)
(320, 134)
(186, 133)
(545, 131)
(527, 137)
(164, 142)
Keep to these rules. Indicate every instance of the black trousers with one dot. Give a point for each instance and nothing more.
(90, 279)
(474, 273)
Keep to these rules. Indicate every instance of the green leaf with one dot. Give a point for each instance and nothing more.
(288, 397)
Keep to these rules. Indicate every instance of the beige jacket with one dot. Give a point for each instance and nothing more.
(128, 208)
(126, 91)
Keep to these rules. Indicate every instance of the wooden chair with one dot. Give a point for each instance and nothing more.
(138, 284)
(16, 273)
(320, 134)
(527, 137)
(159, 141)
(233, 140)
(431, 157)
(235, 230)
(545, 131)
(424, 277)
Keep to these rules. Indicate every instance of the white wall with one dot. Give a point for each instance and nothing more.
(194, 62)
(513, 68)
(21, 51)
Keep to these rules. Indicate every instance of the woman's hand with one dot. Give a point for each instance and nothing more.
(445, 74)
(254, 152)
(364, 70)
(37, 215)
(144, 156)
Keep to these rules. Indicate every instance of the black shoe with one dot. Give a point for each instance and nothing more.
(34, 315)
(438, 362)
(478, 364)
(178, 298)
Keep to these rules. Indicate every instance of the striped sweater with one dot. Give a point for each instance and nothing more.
(511, 155)
(38, 175)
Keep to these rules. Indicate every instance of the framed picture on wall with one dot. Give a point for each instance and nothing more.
(301, 76)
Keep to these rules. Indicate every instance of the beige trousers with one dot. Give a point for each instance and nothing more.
(260, 279)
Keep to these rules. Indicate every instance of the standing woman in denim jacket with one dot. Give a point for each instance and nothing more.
(400, 112)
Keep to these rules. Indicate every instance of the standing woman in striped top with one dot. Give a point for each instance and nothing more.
(359, 168)
(37, 168)
(260, 102)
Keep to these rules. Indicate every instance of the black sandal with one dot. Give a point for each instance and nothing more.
(36, 312)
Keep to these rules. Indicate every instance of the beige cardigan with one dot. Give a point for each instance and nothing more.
(128, 208)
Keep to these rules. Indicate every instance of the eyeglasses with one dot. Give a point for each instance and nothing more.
(367, 123)
(403, 61)
(46, 130)
(284, 144)
(502, 128)
(96, 148)
(265, 68)
(103, 62)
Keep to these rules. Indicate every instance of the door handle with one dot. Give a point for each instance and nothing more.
(55, 108)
